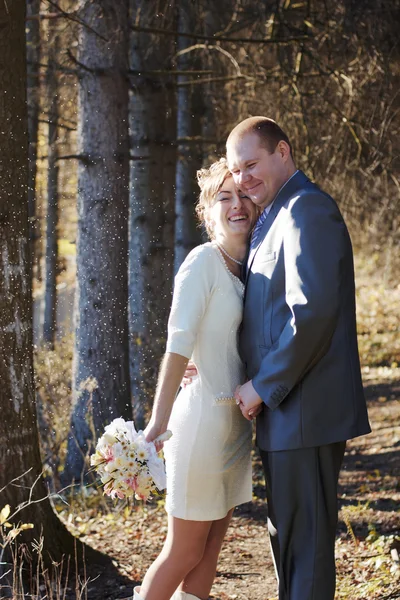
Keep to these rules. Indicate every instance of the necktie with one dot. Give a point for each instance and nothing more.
(256, 231)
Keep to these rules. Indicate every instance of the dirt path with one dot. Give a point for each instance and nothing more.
(369, 497)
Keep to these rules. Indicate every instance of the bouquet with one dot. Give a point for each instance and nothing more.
(127, 464)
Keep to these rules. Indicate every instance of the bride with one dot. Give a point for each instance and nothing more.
(208, 460)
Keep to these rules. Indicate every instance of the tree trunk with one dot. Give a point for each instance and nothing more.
(101, 385)
(50, 297)
(33, 95)
(216, 120)
(152, 129)
(19, 444)
(189, 159)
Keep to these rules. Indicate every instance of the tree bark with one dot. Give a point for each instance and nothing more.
(216, 119)
(33, 96)
(50, 297)
(152, 129)
(101, 385)
(19, 443)
(189, 159)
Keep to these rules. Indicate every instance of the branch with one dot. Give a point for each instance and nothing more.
(44, 15)
(102, 71)
(68, 122)
(207, 47)
(96, 71)
(135, 72)
(57, 66)
(81, 157)
(131, 157)
(15, 479)
(196, 139)
(89, 160)
(212, 79)
(85, 158)
(72, 17)
(60, 125)
(168, 72)
(220, 38)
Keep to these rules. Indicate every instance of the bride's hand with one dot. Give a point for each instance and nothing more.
(254, 412)
(152, 432)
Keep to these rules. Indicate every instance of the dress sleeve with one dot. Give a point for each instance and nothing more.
(194, 285)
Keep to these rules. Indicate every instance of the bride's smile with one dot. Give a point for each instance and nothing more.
(232, 216)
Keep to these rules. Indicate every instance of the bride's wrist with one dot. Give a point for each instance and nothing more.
(156, 424)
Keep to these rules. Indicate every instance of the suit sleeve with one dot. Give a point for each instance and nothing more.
(193, 287)
(314, 244)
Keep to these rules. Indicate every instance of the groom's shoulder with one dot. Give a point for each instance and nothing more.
(310, 196)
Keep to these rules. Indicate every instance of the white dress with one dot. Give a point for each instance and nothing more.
(208, 460)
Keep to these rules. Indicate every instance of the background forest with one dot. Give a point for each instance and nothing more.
(126, 99)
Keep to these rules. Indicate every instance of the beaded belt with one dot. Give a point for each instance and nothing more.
(229, 400)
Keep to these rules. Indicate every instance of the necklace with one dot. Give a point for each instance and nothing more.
(238, 262)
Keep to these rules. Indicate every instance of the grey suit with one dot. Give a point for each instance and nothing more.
(298, 341)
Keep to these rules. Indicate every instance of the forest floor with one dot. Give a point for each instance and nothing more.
(368, 540)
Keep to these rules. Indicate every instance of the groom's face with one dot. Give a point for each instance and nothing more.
(257, 172)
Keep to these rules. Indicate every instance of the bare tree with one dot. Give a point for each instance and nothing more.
(33, 95)
(189, 159)
(19, 447)
(101, 334)
(50, 298)
(152, 129)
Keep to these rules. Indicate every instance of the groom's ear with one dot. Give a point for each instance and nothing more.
(284, 150)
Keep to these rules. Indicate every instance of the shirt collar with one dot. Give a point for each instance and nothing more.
(268, 208)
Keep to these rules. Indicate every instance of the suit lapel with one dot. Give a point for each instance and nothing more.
(263, 232)
(243, 269)
(296, 183)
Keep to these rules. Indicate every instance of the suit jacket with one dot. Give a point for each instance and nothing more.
(298, 337)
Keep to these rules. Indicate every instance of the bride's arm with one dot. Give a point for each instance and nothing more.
(169, 379)
(194, 283)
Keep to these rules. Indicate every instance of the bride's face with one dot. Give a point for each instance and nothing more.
(233, 214)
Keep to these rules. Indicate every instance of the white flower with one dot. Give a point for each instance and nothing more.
(121, 462)
(132, 467)
(110, 467)
(132, 453)
(96, 459)
(118, 450)
(142, 453)
(115, 428)
(107, 439)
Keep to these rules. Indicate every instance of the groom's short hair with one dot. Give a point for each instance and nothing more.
(268, 131)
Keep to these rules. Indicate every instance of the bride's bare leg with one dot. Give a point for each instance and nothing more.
(200, 579)
(182, 551)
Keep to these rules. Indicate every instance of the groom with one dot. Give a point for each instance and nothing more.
(299, 344)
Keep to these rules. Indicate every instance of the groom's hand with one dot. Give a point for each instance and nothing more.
(190, 372)
(248, 400)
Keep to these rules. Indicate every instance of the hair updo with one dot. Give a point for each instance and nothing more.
(210, 181)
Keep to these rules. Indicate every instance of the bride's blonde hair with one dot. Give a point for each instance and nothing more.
(210, 181)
